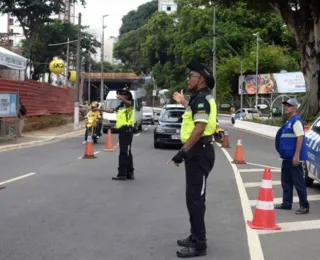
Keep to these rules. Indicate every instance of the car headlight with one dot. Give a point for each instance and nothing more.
(159, 129)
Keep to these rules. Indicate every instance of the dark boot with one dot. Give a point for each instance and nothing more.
(186, 242)
(130, 176)
(119, 177)
(190, 252)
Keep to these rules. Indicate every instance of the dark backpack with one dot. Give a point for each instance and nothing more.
(23, 110)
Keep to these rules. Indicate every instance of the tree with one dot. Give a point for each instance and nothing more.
(55, 32)
(303, 20)
(32, 14)
(135, 19)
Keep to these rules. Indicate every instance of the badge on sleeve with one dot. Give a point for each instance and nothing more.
(201, 105)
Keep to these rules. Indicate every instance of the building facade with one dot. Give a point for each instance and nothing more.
(168, 6)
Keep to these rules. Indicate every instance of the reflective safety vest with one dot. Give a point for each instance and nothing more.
(188, 124)
(125, 116)
(286, 141)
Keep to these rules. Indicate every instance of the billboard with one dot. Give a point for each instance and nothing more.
(8, 104)
(273, 83)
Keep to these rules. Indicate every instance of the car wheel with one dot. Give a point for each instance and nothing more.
(140, 127)
(232, 120)
(309, 181)
(105, 130)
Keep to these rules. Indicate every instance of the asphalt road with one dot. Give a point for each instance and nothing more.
(69, 208)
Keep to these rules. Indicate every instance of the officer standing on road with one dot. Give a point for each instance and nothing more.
(198, 127)
(292, 147)
(125, 125)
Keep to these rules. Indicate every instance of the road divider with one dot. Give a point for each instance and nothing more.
(260, 129)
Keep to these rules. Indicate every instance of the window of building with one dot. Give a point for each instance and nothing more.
(168, 8)
(11, 31)
(11, 21)
(11, 43)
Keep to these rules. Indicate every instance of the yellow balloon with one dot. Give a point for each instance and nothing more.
(72, 76)
(57, 66)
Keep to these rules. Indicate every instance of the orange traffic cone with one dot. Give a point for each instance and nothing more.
(225, 141)
(238, 155)
(88, 152)
(264, 215)
(109, 144)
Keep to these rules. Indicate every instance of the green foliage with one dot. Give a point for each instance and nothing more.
(135, 19)
(57, 32)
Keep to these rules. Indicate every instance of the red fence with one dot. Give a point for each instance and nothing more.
(41, 98)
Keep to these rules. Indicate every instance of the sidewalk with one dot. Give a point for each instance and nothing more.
(39, 137)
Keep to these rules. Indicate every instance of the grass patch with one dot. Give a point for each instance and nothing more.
(42, 122)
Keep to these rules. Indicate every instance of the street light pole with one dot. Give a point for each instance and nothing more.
(67, 69)
(102, 60)
(214, 62)
(76, 104)
(89, 84)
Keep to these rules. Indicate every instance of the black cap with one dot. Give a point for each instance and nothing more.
(204, 71)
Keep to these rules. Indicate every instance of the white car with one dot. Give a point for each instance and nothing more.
(147, 115)
(171, 107)
(247, 113)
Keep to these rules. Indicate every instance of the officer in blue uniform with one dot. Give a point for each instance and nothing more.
(197, 129)
(291, 145)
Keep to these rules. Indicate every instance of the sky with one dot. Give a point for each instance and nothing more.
(116, 9)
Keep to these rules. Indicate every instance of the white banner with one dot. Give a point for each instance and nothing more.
(272, 83)
(11, 60)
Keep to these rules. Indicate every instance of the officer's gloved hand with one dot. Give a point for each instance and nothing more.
(180, 156)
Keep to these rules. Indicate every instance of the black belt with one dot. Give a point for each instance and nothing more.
(206, 139)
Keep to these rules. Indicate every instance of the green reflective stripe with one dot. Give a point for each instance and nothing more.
(197, 117)
(288, 135)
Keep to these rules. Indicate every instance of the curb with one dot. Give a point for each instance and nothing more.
(40, 142)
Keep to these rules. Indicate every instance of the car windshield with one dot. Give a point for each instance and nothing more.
(147, 109)
(172, 117)
(316, 126)
(112, 103)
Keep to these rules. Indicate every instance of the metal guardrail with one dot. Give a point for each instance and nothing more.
(9, 128)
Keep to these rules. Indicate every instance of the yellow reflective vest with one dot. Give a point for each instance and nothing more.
(188, 123)
(125, 116)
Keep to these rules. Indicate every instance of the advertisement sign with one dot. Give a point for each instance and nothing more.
(272, 83)
(8, 104)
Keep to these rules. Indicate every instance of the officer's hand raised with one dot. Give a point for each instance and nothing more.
(179, 97)
(119, 97)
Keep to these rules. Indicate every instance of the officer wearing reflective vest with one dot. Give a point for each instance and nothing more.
(291, 145)
(124, 124)
(198, 127)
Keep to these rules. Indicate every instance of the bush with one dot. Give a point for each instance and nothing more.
(279, 121)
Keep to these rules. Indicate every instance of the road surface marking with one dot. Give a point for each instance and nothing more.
(96, 152)
(17, 178)
(137, 134)
(258, 170)
(262, 165)
(258, 184)
(279, 200)
(254, 244)
(147, 128)
(293, 226)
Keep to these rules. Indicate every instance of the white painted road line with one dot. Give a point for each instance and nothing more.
(17, 178)
(258, 170)
(253, 239)
(137, 134)
(293, 226)
(258, 184)
(295, 199)
(262, 165)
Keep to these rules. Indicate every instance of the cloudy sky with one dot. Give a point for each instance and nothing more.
(95, 9)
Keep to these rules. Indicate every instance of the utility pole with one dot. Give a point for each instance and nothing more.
(67, 70)
(102, 60)
(214, 63)
(257, 70)
(76, 104)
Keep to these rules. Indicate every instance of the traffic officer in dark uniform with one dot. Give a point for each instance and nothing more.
(125, 125)
(198, 127)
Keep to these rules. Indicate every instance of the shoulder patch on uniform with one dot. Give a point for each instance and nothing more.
(201, 105)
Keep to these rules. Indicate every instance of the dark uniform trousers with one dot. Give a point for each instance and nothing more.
(125, 156)
(200, 162)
